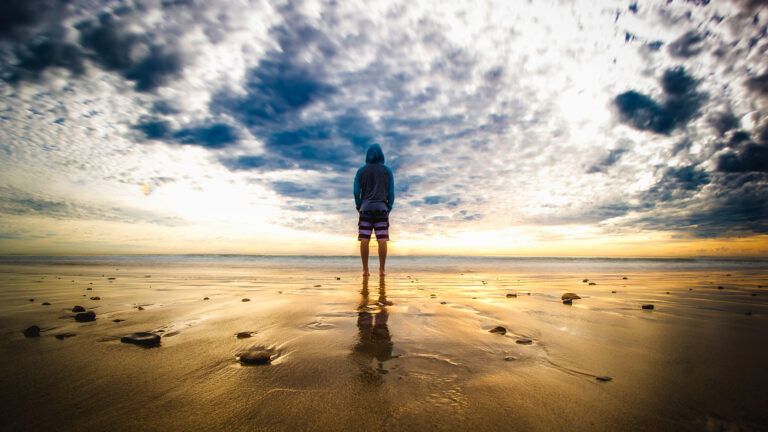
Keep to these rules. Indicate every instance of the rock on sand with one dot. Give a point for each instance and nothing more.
(511, 295)
(570, 296)
(256, 357)
(78, 309)
(245, 300)
(144, 339)
(648, 306)
(498, 329)
(32, 331)
(86, 316)
(524, 341)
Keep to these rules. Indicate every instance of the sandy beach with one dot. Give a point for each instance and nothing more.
(409, 351)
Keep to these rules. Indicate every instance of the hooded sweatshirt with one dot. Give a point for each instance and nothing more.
(374, 187)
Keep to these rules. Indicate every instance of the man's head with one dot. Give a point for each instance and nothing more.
(375, 155)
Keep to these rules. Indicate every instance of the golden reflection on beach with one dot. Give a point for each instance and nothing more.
(374, 341)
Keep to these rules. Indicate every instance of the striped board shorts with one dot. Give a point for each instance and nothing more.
(373, 221)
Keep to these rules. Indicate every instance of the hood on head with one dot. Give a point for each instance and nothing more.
(375, 155)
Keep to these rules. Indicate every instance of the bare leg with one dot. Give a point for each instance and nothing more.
(382, 256)
(364, 255)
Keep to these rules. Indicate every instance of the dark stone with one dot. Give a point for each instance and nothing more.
(206, 298)
(46, 304)
(570, 296)
(648, 306)
(568, 302)
(89, 289)
(111, 278)
(86, 316)
(524, 341)
(144, 339)
(613, 292)
(667, 292)
(690, 289)
(624, 278)
(443, 302)
(62, 336)
(719, 287)
(499, 329)
(32, 331)
(96, 298)
(603, 378)
(338, 278)
(140, 308)
(244, 335)
(256, 357)
(585, 280)
(246, 300)
(318, 286)
(592, 283)
(31, 300)
(510, 358)
(118, 320)
(511, 295)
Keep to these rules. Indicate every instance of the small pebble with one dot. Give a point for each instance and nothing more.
(592, 283)
(118, 320)
(510, 358)
(567, 302)
(499, 329)
(31, 300)
(206, 298)
(318, 286)
(338, 278)
(96, 298)
(89, 289)
(624, 278)
(754, 294)
(443, 302)
(62, 336)
(524, 341)
(510, 295)
(719, 287)
(603, 378)
(144, 339)
(246, 300)
(243, 335)
(648, 306)
(46, 304)
(585, 280)
(32, 331)
(85, 316)
(256, 357)
(140, 308)
(570, 296)
(747, 313)
(78, 309)
(613, 292)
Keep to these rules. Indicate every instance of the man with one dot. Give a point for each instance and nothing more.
(374, 191)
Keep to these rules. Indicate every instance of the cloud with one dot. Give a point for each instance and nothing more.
(682, 102)
(751, 157)
(689, 44)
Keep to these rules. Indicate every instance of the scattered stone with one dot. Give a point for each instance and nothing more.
(96, 298)
(78, 309)
(613, 292)
(570, 296)
(720, 287)
(206, 298)
(498, 329)
(667, 292)
(86, 316)
(510, 358)
(280, 292)
(567, 302)
(524, 341)
(46, 304)
(144, 339)
(62, 336)
(245, 300)
(690, 289)
(140, 308)
(647, 306)
(433, 295)
(592, 283)
(111, 278)
(318, 286)
(338, 278)
(256, 357)
(443, 302)
(728, 274)
(474, 298)
(118, 320)
(244, 335)
(585, 280)
(31, 300)
(511, 295)
(603, 378)
(89, 289)
(624, 278)
(32, 331)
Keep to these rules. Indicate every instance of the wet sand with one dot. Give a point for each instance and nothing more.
(411, 351)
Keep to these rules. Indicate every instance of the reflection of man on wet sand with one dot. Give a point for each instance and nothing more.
(374, 340)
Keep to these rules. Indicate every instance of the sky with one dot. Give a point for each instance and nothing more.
(532, 128)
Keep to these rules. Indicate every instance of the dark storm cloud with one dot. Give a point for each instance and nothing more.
(113, 45)
(682, 102)
(758, 84)
(33, 60)
(212, 136)
(688, 45)
(18, 17)
(724, 122)
(751, 157)
(675, 184)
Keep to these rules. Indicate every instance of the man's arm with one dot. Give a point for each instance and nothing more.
(391, 195)
(356, 190)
